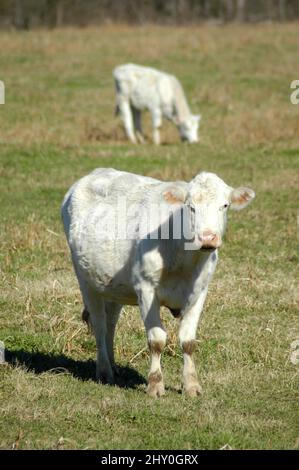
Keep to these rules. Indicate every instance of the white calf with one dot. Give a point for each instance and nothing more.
(139, 88)
(137, 240)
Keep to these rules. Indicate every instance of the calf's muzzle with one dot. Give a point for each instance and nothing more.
(210, 240)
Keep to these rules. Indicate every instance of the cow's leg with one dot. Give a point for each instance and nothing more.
(112, 314)
(95, 306)
(187, 335)
(127, 118)
(156, 336)
(156, 122)
(137, 124)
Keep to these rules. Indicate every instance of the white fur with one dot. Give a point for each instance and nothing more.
(148, 272)
(143, 88)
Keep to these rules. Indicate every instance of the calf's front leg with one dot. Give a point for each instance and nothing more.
(156, 337)
(156, 122)
(127, 118)
(187, 335)
(190, 380)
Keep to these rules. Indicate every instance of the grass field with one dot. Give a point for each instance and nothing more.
(57, 125)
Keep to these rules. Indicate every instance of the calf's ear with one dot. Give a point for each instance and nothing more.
(175, 195)
(241, 197)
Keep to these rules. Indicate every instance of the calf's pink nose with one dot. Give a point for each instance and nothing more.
(210, 239)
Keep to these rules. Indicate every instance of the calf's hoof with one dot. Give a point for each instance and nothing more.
(156, 390)
(193, 390)
(155, 386)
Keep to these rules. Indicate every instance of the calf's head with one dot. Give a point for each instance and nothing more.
(205, 205)
(189, 129)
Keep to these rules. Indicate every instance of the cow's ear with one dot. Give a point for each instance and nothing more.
(175, 195)
(241, 197)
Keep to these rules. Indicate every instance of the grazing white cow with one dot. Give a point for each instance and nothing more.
(136, 240)
(139, 88)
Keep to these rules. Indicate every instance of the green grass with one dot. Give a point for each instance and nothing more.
(57, 125)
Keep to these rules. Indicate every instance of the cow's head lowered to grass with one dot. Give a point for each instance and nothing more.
(189, 128)
(205, 205)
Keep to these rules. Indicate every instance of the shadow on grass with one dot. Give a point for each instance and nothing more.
(83, 370)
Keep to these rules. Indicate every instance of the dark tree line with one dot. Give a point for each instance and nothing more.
(26, 14)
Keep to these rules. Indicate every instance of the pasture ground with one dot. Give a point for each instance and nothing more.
(57, 125)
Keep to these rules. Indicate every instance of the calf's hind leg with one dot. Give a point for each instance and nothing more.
(97, 318)
(112, 315)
